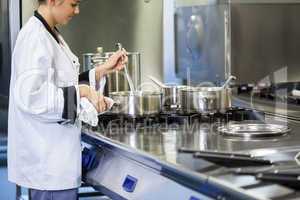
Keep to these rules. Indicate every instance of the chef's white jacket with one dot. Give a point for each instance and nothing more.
(44, 150)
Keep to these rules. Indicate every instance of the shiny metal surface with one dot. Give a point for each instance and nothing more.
(138, 103)
(125, 25)
(205, 99)
(171, 98)
(157, 82)
(117, 166)
(290, 111)
(253, 130)
(117, 81)
(276, 61)
(170, 93)
(201, 54)
(87, 61)
(118, 161)
(162, 141)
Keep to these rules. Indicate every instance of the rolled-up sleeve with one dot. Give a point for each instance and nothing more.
(89, 77)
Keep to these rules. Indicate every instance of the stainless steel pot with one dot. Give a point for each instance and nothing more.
(205, 99)
(171, 96)
(87, 61)
(139, 103)
(117, 81)
(170, 93)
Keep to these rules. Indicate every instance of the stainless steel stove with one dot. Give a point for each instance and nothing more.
(175, 156)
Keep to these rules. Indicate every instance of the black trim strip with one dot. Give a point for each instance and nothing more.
(70, 104)
(44, 22)
(84, 76)
(21, 13)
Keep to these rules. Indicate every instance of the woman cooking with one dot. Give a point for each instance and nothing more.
(44, 151)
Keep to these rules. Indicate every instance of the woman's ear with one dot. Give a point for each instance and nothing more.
(54, 2)
(58, 2)
(51, 2)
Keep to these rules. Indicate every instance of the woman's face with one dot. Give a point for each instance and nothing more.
(64, 10)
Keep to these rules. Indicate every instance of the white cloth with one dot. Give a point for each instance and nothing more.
(88, 112)
(297, 158)
(42, 154)
(296, 93)
(97, 86)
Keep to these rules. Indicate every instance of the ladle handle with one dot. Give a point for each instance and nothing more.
(228, 81)
(157, 82)
(119, 46)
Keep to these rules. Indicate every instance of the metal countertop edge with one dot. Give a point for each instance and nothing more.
(198, 182)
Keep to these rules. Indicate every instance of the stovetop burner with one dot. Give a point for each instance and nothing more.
(253, 130)
(232, 114)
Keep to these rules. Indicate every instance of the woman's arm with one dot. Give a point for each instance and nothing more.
(114, 63)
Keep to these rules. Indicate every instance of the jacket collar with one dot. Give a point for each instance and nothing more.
(44, 22)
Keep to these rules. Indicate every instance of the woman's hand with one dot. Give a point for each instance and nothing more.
(94, 97)
(115, 62)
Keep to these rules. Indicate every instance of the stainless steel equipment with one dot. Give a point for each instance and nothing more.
(205, 99)
(253, 130)
(152, 163)
(201, 36)
(117, 81)
(170, 94)
(87, 59)
(137, 103)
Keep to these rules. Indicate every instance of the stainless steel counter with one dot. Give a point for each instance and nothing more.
(269, 106)
(162, 140)
(160, 143)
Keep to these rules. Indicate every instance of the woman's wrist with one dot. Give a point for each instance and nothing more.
(84, 90)
(100, 72)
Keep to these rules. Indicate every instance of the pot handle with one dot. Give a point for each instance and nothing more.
(116, 103)
(205, 99)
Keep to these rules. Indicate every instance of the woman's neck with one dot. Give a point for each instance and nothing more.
(46, 14)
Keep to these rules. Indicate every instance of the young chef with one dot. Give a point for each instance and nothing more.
(44, 151)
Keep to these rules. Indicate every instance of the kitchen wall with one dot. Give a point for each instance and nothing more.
(265, 42)
(28, 6)
(137, 24)
(264, 34)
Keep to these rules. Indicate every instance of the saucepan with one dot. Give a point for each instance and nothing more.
(170, 93)
(136, 103)
(206, 99)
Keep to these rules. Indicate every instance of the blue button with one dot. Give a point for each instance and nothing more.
(194, 198)
(129, 183)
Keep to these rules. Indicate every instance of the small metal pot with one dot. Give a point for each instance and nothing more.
(205, 99)
(138, 103)
(170, 96)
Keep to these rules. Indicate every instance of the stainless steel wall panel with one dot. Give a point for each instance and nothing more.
(134, 23)
(200, 43)
(265, 39)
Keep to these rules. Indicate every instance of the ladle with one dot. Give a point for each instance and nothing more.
(157, 82)
(130, 82)
(228, 81)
